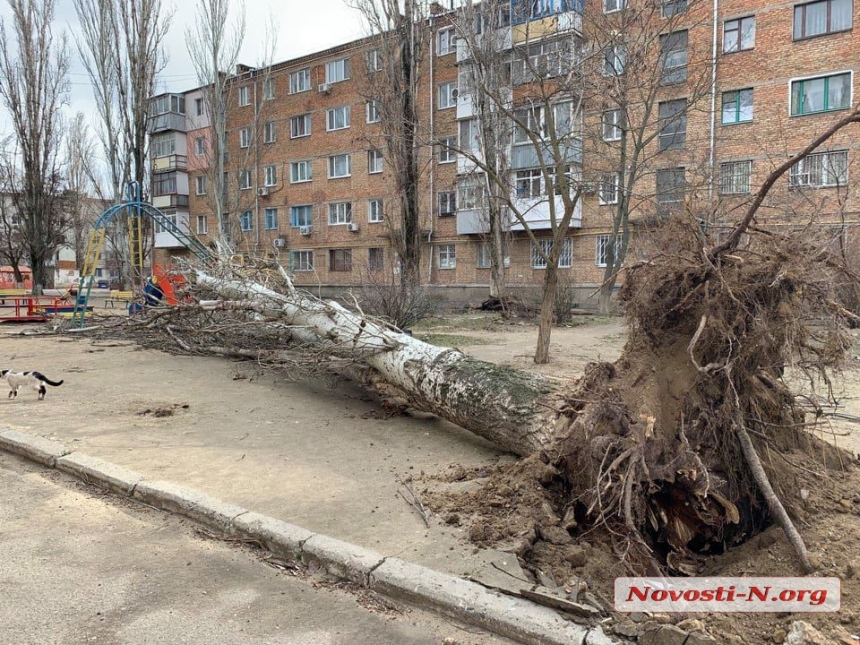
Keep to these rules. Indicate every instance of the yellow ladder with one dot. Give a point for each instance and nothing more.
(135, 243)
(88, 272)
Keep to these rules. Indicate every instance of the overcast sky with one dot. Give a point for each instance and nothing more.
(303, 27)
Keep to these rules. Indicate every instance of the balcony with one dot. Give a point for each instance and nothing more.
(171, 162)
(167, 121)
(536, 214)
(170, 201)
(165, 240)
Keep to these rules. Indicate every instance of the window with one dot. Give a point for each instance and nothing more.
(447, 152)
(823, 17)
(201, 185)
(202, 225)
(373, 111)
(301, 171)
(244, 96)
(268, 89)
(374, 161)
(164, 184)
(738, 106)
(300, 81)
(246, 221)
(673, 7)
(337, 118)
(565, 259)
(673, 117)
(470, 193)
(374, 211)
(446, 95)
(269, 132)
(271, 175)
(739, 34)
(608, 188)
(337, 70)
(613, 5)
(735, 177)
(446, 41)
(602, 253)
(671, 185)
(469, 135)
(245, 179)
(339, 166)
(164, 145)
(339, 213)
(376, 259)
(446, 201)
(200, 146)
(245, 138)
(614, 60)
(301, 216)
(483, 256)
(447, 256)
(613, 121)
(340, 259)
(374, 60)
(271, 218)
(302, 261)
(168, 103)
(529, 183)
(300, 126)
(199, 107)
(821, 94)
(673, 58)
(821, 170)
(542, 59)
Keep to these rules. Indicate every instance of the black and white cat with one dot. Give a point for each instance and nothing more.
(35, 380)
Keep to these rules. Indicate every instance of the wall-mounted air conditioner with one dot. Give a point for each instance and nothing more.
(352, 226)
(263, 192)
(279, 242)
(304, 230)
(325, 88)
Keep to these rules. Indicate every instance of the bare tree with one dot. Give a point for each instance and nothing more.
(401, 33)
(33, 83)
(80, 150)
(213, 45)
(13, 247)
(122, 48)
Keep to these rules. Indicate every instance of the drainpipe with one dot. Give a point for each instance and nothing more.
(256, 168)
(432, 155)
(711, 151)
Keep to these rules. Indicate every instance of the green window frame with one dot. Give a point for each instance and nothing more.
(834, 95)
(737, 106)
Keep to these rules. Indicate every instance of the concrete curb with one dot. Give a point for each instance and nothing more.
(466, 601)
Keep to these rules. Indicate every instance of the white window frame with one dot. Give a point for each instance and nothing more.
(600, 259)
(447, 150)
(338, 118)
(449, 200)
(375, 162)
(374, 61)
(244, 96)
(164, 145)
(611, 6)
(202, 225)
(565, 258)
(472, 144)
(339, 213)
(618, 64)
(372, 109)
(245, 180)
(302, 260)
(296, 174)
(612, 127)
(305, 131)
(800, 175)
(374, 211)
(269, 132)
(300, 81)
(270, 173)
(245, 138)
(337, 71)
(446, 97)
(268, 89)
(200, 146)
(200, 185)
(446, 256)
(199, 107)
(483, 256)
(446, 41)
(607, 179)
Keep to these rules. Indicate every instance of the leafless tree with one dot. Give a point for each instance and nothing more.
(401, 34)
(81, 207)
(122, 48)
(13, 248)
(33, 84)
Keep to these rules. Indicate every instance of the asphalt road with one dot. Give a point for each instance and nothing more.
(78, 566)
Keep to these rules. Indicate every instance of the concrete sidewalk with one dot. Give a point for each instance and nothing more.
(80, 567)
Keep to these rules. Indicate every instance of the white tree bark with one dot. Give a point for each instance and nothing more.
(514, 410)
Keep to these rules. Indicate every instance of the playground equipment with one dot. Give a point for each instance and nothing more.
(136, 210)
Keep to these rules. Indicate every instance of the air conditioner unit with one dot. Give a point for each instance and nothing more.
(352, 226)
(279, 242)
(455, 93)
(263, 192)
(305, 230)
(325, 88)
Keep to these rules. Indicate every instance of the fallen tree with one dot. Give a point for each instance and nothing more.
(664, 447)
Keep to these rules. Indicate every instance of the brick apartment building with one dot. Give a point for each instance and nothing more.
(312, 185)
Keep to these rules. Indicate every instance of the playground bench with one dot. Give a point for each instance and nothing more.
(9, 293)
(119, 296)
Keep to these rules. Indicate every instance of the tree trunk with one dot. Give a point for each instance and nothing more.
(547, 311)
(514, 410)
